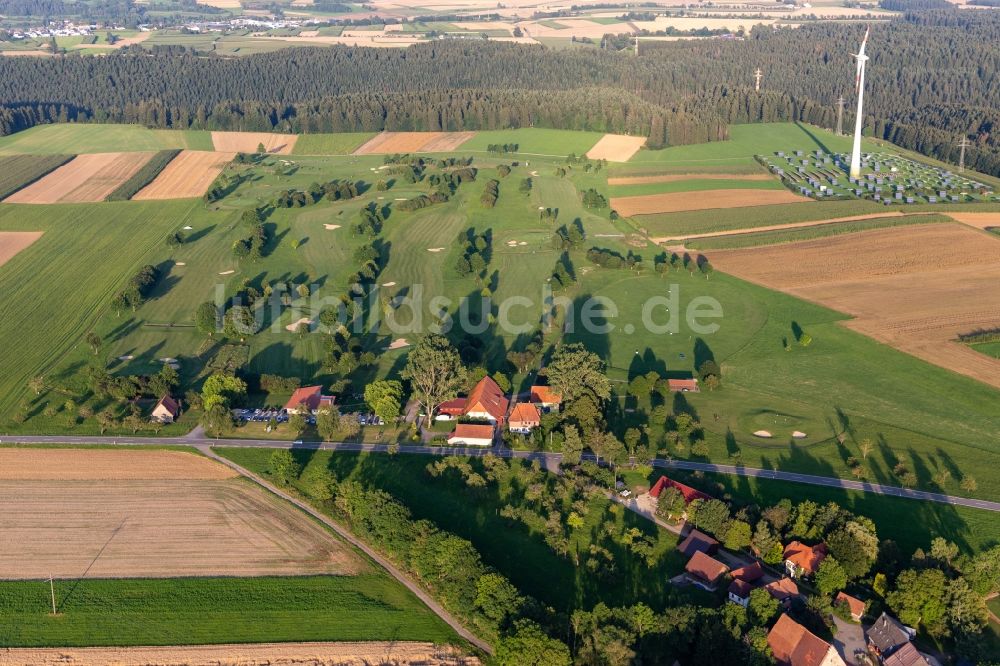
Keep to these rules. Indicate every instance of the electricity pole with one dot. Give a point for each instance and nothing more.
(963, 144)
(840, 115)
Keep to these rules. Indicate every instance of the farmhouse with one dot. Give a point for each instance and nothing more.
(683, 385)
(856, 606)
(739, 592)
(166, 410)
(705, 571)
(524, 418)
(486, 402)
(468, 434)
(697, 542)
(689, 493)
(308, 400)
(803, 560)
(794, 645)
(450, 409)
(545, 399)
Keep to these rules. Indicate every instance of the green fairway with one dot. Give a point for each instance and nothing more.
(192, 611)
(693, 185)
(330, 144)
(534, 141)
(516, 552)
(83, 138)
(971, 529)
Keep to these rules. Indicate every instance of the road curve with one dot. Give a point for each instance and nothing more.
(549, 460)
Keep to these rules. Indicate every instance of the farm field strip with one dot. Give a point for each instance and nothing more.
(674, 177)
(616, 147)
(676, 202)
(19, 171)
(388, 143)
(79, 138)
(188, 175)
(84, 179)
(247, 142)
(12, 242)
(914, 288)
(775, 227)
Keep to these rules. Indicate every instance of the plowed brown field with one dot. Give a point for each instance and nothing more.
(85, 178)
(12, 242)
(676, 202)
(188, 175)
(388, 143)
(674, 177)
(398, 653)
(616, 147)
(913, 287)
(247, 142)
(109, 514)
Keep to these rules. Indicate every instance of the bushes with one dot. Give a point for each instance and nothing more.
(490, 194)
(502, 148)
(138, 287)
(144, 176)
(594, 199)
(422, 201)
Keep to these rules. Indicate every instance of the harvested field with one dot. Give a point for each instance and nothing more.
(676, 202)
(676, 177)
(188, 175)
(616, 147)
(400, 653)
(978, 220)
(914, 288)
(247, 142)
(19, 171)
(388, 143)
(84, 179)
(12, 242)
(150, 514)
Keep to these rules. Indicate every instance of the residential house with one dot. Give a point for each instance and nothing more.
(545, 399)
(468, 434)
(705, 571)
(794, 645)
(886, 635)
(784, 590)
(802, 560)
(683, 385)
(309, 400)
(739, 592)
(751, 573)
(450, 409)
(166, 410)
(697, 542)
(689, 493)
(524, 418)
(856, 606)
(907, 655)
(486, 402)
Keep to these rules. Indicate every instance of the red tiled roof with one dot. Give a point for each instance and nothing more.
(682, 384)
(805, 557)
(782, 589)
(697, 542)
(706, 567)
(487, 397)
(856, 605)
(749, 573)
(908, 655)
(794, 645)
(169, 404)
(453, 406)
(472, 431)
(543, 394)
(307, 395)
(690, 494)
(740, 588)
(524, 413)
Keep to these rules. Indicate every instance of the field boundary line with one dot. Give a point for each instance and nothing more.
(349, 537)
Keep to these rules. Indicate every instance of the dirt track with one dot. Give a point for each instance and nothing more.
(676, 202)
(85, 178)
(109, 514)
(616, 147)
(388, 143)
(188, 175)
(914, 287)
(247, 142)
(674, 177)
(12, 242)
(263, 654)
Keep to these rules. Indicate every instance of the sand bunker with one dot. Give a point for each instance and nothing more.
(798, 434)
(331, 227)
(294, 326)
(399, 343)
(180, 263)
(434, 249)
(230, 272)
(763, 433)
(389, 284)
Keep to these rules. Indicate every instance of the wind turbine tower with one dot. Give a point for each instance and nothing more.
(756, 76)
(859, 120)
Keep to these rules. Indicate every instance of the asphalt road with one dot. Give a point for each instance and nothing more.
(548, 460)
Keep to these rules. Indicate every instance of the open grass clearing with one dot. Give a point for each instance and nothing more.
(694, 184)
(77, 138)
(330, 144)
(535, 141)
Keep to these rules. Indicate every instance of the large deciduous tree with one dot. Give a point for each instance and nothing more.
(434, 370)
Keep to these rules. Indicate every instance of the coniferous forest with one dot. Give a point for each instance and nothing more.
(932, 78)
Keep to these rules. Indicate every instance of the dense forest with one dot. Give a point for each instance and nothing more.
(932, 78)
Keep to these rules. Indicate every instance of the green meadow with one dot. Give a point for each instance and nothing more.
(330, 144)
(83, 138)
(534, 141)
(197, 611)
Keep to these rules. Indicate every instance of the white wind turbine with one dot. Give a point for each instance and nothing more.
(859, 120)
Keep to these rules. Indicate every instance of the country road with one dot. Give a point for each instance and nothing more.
(550, 461)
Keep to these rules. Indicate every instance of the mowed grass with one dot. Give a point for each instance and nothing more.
(330, 144)
(192, 611)
(59, 288)
(83, 138)
(807, 233)
(535, 141)
(512, 549)
(988, 348)
(694, 184)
